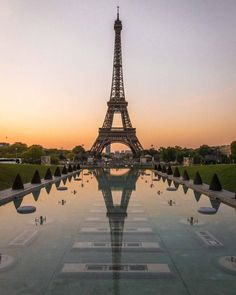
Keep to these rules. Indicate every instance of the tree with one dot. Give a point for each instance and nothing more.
(78, 149)
(205, 150)
(233, 149)
(54, 159)
(19, 147)
(70, 156)
(33, 154)
(167, 154)
(79, 152)
(14, 150)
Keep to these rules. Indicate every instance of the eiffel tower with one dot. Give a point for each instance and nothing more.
(117, 104)
(116, 213)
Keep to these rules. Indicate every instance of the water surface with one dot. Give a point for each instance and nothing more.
(108, 230)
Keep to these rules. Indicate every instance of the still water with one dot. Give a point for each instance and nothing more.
(117, 232)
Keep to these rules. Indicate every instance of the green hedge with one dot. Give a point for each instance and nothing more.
(225, 172)
(8, 173)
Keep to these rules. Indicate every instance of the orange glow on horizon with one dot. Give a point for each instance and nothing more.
(179, 71)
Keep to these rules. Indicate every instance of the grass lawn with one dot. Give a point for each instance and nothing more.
(8, 173)
(226, 174)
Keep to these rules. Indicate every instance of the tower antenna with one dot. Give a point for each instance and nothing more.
(118, 12)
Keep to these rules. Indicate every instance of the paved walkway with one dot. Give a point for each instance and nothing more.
(224, 196)
(8, 195)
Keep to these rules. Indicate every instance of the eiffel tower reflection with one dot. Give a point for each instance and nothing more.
(116, 213)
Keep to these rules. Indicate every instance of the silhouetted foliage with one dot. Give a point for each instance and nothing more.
(48, 174)
(70, 168)
(64, 170)
(18, 184)
(57, 172)
(159, 167)
(169, 170)
(169, 182)
(36, 178)
(233, 149)
(163, 169)
(197, 178)
(185, 175)
(215, 184)
(185, 189)
(36, 194)
(176, 172)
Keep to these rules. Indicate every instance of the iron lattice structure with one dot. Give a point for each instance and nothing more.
(117, 104)
(116, 213)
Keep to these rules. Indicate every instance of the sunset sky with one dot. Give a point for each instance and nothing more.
(179, 64)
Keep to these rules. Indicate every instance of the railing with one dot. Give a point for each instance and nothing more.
(116, 129)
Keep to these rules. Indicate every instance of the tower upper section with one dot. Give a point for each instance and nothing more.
(117, 87)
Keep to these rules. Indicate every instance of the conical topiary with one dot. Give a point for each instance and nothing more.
(155, 167)
(159, 167)
(64, 170)
(176, 184)
(70, 168)
(57, 172)
(176, 172)
(215, 183)
(169, 182)
(74, 167)
(57, 183)
(197, 195)
(215, 203)
(163, 170)
(185, 189)
(36, 178)
(48, 174)
(36, 194)
(48, 188)
(18, 184)
(78, 167)
(17, 202)
(185, 175)
(197, 178)
(169, 170)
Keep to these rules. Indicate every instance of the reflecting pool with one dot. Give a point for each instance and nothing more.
(117, 231)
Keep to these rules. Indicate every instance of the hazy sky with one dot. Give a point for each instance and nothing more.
(179, 60)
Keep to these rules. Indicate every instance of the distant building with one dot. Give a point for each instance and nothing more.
(208, 159)
(225, 150)
(117, 155)
(187, 161)
(4, 144)
(45, 160)
(145, 159)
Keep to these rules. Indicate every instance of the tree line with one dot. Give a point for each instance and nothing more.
(32, 154)
(201, 155)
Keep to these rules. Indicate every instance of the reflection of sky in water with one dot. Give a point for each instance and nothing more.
(190, 251)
